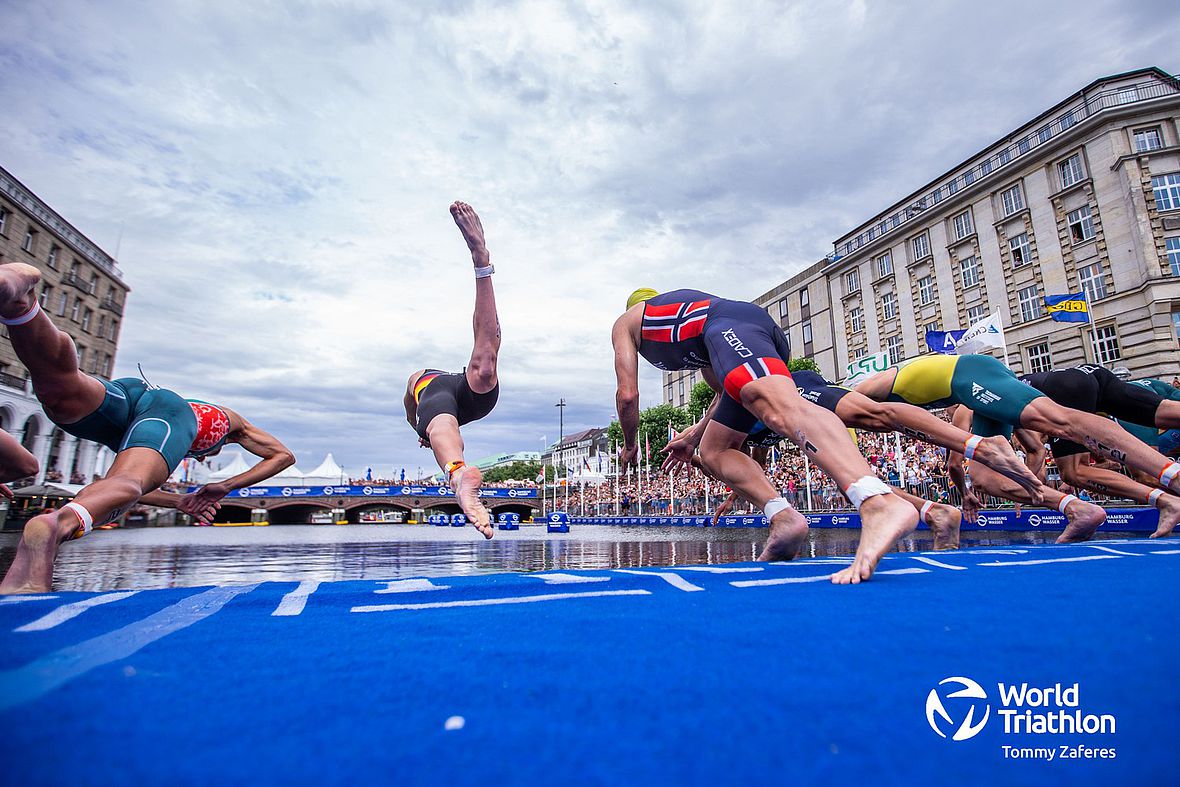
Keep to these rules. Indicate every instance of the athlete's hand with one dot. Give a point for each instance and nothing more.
(206, 515)
(970, 507)
(6, 492)
(679, 451)
(628, 457)
(197, 503)
(724, 508)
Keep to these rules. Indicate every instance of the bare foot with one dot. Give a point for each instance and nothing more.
(1084, 518)
(32, 568)
(1169, 506)
(465, 482)
(944, 522)
(17, 282)
(788, 531)
(884, 519)
(469, 224)
(997, 453)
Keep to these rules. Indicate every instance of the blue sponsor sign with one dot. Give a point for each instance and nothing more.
(373, 491)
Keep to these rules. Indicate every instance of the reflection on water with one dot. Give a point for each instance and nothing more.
(187, 556)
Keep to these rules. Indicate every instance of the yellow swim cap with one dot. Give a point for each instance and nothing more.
(640, 295)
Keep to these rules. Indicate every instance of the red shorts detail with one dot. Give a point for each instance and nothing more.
(753, 369)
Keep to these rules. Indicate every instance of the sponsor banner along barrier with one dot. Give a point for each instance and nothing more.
(370, 491)
(1133, 520)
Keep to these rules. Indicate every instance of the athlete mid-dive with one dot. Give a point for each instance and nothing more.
(742, 353)
(150, 430)
(437, 403)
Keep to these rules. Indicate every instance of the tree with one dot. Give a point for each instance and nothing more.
(699, 400)
(795, 364)
(653, 428)
(516, 471)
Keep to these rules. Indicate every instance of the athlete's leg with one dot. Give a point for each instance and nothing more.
(1168, 414)
(723, 458)
(1084, 518)
(135, 472)
(861, 412)
(1102, 436)
(481, 369)
(1076, 472)
(884, 517)
(64, 391)
(944, 520)
(464, 479)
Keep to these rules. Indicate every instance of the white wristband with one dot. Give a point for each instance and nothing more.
(26, 317)
(969, 448)
(1154, 495)
(485, 271)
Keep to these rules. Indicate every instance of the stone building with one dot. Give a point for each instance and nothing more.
(84, 294)
(1083, 198)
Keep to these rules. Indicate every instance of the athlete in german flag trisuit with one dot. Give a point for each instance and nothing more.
(150, 430)
(743, 355)
(437, 403)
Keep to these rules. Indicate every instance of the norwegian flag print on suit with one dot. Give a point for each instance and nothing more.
(674, 322)
(212, 427)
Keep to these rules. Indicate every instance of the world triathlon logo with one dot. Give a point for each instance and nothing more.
(966, 697)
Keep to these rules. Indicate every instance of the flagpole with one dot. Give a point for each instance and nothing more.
(1089, 321)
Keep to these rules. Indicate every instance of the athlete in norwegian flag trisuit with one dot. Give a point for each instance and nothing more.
(742, 354)
(993, 401)
(438, 403)
(150, 429)
(1148, 405)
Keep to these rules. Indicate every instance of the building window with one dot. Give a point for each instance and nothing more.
(1167, 191)
(926, 290)
(114, 333)
(1021, 251)
(861, 352)
(30, 242)
(1030, 302)
(1012, 199)
(1067, 120)
(45, 295)
(1022, 146)
(884, 264)
(681, 388)
(1043, 135)
(62, 303)
(921, 246)
(1176, 324)
(106, 365)
(1070, 170)
(893, 346)
(1173, 246)
(963, 225)
(87, 314)
(807, 332)
(3, 221)
(1106, 345)
(102, 325)
(975, 314)
(1081, 228)
(782, 309)
(53, 250)
(1005, 156)
(889, 305)
(1039, 358)
(76, 312)
(857, 318)
(1127, 95)
(81, 356)
(970, 268)
(1148, 139)
(852, 281)
(804, 297)
(1093, 283)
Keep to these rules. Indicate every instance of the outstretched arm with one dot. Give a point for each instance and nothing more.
(1034, 451)
(683, 446)
(275, 458)
(627, 391)
(954, 467)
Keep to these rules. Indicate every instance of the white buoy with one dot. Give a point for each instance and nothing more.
(454, 723)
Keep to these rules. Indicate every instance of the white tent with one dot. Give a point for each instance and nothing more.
(327, 473)
(588, 477)
(237, 466)
(292, 476)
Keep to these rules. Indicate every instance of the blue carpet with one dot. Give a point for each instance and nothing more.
(678, 676)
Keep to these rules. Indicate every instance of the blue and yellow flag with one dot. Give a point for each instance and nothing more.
(1068, 308)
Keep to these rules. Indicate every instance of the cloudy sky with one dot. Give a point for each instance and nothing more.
(274, 176)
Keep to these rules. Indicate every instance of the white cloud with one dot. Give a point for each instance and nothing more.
(280, 173)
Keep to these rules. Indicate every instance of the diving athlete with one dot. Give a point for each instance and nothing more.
(437, 403)
(742, 353)
(150, 430)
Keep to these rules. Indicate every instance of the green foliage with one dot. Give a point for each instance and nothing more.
(699, 399)
(516, 471)
(795, 364)
(653, 428)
